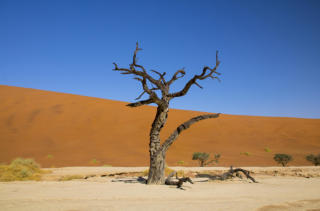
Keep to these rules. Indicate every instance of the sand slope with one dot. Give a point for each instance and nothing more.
(74, 130)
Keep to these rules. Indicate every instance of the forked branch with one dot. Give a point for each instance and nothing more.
(207, 72)
(143, 77)
(161, 84)
(183, 127)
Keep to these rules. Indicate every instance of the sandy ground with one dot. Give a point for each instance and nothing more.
(294, 188)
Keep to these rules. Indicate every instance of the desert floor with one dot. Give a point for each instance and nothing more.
(289, 188)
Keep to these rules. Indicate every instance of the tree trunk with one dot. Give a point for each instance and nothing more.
(157, 157)
(156, 170)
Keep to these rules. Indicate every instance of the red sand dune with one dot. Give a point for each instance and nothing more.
(59, 129)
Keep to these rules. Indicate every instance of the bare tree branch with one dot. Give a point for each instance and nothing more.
(161, 76)
(176, 76)
(140, 95)
(159, 84)
(152, 89)
(198, 85)
(143, 73)
(140, 103)
(183, 127)
(207, 72)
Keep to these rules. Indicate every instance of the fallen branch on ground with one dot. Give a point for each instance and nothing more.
(178, 182)
(229, 174)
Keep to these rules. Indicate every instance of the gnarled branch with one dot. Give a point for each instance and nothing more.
(176, 76)
(178, 182)
(183, 127)
(144, 77)
(229, 174)
(207, 72)
(161, 76)
(140, 103)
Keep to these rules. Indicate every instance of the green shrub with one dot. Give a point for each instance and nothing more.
(267, 149)
(282, 159)
(20, 169)
(315, 159)
(94, 161)
(203, 158)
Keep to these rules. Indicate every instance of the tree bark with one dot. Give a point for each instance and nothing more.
(156, 170)
(157, 158)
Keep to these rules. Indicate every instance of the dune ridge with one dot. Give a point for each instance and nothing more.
(58, 129)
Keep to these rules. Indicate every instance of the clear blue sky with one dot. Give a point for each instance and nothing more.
(270, 50)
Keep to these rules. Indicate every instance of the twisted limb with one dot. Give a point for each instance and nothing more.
(178, 181)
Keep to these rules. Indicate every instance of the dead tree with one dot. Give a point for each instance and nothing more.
(152, 87)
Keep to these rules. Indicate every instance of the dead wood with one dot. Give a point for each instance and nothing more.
(178, 181)
(230, 174)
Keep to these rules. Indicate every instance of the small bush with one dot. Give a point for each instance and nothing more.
(49, 156)
(282, 159)
(267, 149)
(315, 159)
(203, 158)
(20, 169)
(94, 161)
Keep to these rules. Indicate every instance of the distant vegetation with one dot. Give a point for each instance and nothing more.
(314, 159)
(203, 158)
(282, 159)
(267, 149)
(21, 169)
(94, 161)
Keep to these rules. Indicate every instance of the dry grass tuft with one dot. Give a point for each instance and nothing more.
(21, 169)
(70, 177)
